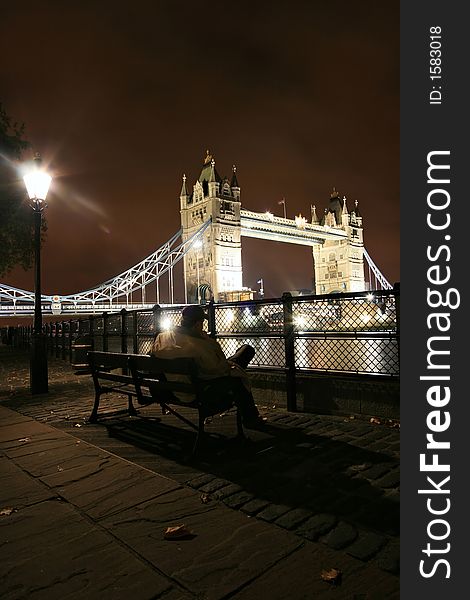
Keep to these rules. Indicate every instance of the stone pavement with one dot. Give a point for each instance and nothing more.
(85, 506)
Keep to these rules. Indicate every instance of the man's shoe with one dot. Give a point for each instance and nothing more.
(257, 422)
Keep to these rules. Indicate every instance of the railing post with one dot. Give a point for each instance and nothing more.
(105, 332)
(56, 339)
(135, 338)
(157, 311)
(289, 352)
(63, 340)
(123, 331)
(396, 290)
(91, 319)
(211, 318)
(71, 328)
(50, 340)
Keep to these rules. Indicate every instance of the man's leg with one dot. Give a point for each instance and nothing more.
(217, 390)
(244, 400)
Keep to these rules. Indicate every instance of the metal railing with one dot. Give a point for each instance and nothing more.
(356, 333)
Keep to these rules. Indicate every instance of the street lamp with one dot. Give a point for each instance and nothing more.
(198, 246)
(37, 184)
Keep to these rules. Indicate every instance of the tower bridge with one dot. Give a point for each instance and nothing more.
(209, 245)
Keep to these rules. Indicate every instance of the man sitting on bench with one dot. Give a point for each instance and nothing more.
(222, 378)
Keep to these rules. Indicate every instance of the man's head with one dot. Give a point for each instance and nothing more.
(193, 316)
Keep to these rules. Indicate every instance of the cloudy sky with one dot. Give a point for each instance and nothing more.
(122, 98)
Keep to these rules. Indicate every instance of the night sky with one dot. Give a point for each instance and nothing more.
(122, 98)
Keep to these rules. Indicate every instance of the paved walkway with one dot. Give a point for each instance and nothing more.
(85, 506)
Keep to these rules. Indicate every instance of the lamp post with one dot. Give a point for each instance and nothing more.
(198, 246)
(37, 184)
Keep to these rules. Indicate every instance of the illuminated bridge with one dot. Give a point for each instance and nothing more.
(208, 247)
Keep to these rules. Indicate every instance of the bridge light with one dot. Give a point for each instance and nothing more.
(300, 221)
(269, 215)
(370, 297)
(229, 316)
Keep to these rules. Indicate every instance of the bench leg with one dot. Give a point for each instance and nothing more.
(240, 432)
(94, 413)
(131, 409)
(200, 433)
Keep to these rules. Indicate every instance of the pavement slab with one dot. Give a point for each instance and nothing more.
(17, 434)
(228, 549)
(108, 485)
(41, 444)
(18, 489)
(9, 417)
(50, 552)
(47, 457)
(299, 576)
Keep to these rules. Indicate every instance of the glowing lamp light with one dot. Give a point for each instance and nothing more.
(198, 244)
(370, 297)
(229, 316)
(269, 215)
(365, 318)
(37, 184)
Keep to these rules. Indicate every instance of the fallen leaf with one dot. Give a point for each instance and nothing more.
(6, 512)
(178, 532)
(24, 440)
(361, 467)
(332, 576)
(205, 498)
(77, 425)
(60, 469)
(375, 421)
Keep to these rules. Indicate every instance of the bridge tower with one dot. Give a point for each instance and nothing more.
(339, 264)
(217, 263)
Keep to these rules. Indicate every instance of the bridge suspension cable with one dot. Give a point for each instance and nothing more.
(384, 284)
(137, 277)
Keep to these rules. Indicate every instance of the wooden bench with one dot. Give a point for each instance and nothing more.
(156, 380)
(102, 365)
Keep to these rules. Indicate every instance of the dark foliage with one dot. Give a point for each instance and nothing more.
(16, 217)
